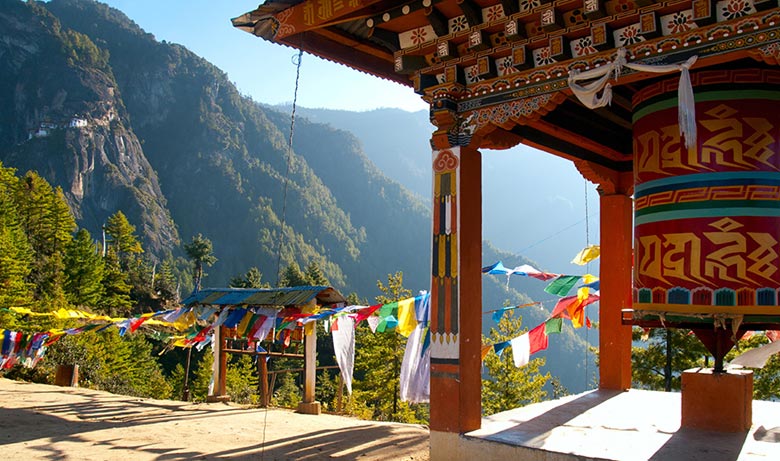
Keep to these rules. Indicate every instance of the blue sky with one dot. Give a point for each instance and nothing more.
(260, 69)
(547, 218)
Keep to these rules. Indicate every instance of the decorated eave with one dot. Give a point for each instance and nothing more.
(472, 57)
(265, 297)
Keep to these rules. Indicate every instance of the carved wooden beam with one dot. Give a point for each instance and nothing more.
(388, 39)
(310, 15)
(438, 21)
(472, 11)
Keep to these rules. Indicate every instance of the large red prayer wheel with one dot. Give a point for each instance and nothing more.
(707, 219)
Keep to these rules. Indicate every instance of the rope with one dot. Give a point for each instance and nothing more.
(297, 63)
(296, 60)
(587, 244)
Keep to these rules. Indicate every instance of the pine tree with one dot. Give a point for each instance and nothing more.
(507, 386)
(293, 277)
(252, 279)
(121, 237)
(15, 250)
(315, 276)
(48, 223)
(199, 250)
(116, 291)
(378, 364)
(83, 271)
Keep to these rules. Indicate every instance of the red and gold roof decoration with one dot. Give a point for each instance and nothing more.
(473, 56)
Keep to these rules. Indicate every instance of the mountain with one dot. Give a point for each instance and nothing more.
(123, 122)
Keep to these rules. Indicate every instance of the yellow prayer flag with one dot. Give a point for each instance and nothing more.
(587, 255)
(407, 317)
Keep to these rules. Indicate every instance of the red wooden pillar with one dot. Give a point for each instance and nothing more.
(616, 262)
(456, 291)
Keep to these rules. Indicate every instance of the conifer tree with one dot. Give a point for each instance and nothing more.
(48, 223)
(121, 236)
(507, 386)
(252, 279)
(15, 250)
(116, 291)
(293, 277)
(315, 276)
(199, 250)
(378, 364)
(83, 271)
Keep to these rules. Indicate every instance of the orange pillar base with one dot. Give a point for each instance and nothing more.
(717, 401)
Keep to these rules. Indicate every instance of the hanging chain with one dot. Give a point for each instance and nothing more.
(297, 61)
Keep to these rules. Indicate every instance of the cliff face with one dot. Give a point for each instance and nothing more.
(63, 116)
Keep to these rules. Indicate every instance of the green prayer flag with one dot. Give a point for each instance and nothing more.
(553, 325)
(562, 285)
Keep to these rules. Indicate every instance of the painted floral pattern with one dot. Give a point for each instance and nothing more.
(628, 35)
(736, 8)
(542, 57)
(471, 74)
(528, 5)
(418, 36)
(504, 66)
(458, 24)
(680, 22)
(493, 13)
(583, 46)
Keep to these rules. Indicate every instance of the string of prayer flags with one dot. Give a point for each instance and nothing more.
(498, 314)
(587, 255)
(525, 269)
(528, 344)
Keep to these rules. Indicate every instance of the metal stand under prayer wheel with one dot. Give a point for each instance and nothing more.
(706, 227)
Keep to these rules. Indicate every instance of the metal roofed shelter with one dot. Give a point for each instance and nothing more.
(226, 298)
(688, 190)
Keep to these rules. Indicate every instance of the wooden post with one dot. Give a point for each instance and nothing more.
(456, 292)
(219, 392)
(309, 406)
(340, 394)
(614, 337)
(262, 366)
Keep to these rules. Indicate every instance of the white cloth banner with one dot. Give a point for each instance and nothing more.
(343, 333)
(588, 94)
(416, 368)
(521, 350)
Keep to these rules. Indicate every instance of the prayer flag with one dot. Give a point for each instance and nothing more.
(485, 350)
(527, 344)
(562, 285)
(407, 317)
(553, 326)
(499, 347)
(343, 333)
(587, 255)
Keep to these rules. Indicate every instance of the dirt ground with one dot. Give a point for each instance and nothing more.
(49, 422)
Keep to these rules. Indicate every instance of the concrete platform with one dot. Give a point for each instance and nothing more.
(607, 425)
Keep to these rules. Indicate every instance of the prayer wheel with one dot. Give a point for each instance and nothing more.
(707, 218)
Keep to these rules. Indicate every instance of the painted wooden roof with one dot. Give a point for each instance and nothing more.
(471, 56)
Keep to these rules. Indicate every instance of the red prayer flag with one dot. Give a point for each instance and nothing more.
(537, 340)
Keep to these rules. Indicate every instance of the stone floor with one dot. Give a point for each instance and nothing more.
(608, 425)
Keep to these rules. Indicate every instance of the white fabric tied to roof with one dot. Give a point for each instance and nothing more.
(598, 93)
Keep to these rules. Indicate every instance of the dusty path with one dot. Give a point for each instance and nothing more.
(49, 422)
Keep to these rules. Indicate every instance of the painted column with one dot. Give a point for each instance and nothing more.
(707, 223)
(615, 276)
(456, 291)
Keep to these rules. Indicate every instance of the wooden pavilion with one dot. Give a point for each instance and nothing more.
(287, 299)
(665, 105)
